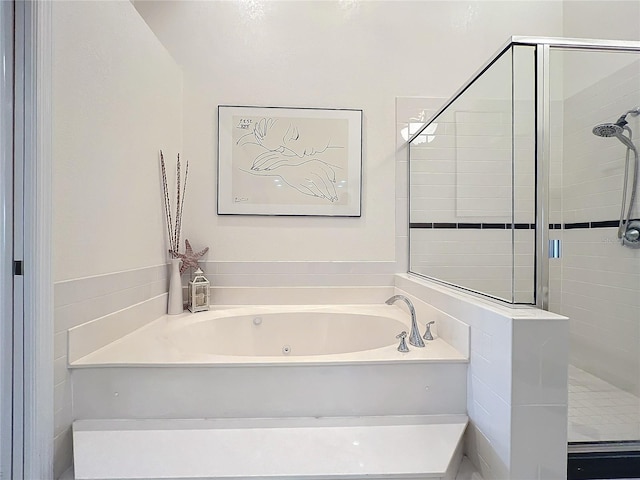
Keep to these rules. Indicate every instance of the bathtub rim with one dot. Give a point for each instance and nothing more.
(436, 351)
(218, 361)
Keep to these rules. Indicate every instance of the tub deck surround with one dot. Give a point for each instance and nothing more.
(341, 394)
(222, 391)
(406, 447)
(152, 372)
(258, 335)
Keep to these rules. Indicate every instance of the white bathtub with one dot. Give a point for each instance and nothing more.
(229, 362)
(272, 334)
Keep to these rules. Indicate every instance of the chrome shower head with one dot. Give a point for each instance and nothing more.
(615, 129)
(607, 130)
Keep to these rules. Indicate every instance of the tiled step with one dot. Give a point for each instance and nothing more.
(276, 449)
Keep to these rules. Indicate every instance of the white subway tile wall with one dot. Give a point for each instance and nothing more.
(593, 167)
(83, 300)
(459, 176)
(478, 195)
(601, 295)
(598, 279)
(411, 113)
(477, 260)
(516, 384)
(473, 168)
(298, 274)
(469, 181)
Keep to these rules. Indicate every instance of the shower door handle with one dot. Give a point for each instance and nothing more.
(555, 248)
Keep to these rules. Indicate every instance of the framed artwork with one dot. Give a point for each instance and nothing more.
(289, 161)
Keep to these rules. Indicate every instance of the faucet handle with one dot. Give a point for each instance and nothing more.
(427, 334)
(403, 344)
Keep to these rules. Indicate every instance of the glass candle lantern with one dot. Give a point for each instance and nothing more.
(198, 292)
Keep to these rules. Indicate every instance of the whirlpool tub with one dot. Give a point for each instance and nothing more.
(273, 334)
(266, 361)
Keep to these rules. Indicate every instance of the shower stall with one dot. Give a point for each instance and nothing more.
(523, 188)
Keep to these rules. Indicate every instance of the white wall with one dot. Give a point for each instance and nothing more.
(610, 20)
(117, 99)
(323, 54)
(117, 102)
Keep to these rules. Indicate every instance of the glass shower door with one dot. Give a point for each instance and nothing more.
(472, 185)
(596, 280)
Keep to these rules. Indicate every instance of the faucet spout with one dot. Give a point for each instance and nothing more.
(414, 338)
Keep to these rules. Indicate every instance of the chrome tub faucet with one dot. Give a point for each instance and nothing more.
(403, 346)
(414, 336)
(428, 335)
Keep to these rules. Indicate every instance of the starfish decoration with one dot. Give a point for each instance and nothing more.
(189, 258)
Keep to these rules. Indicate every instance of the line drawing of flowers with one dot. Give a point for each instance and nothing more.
(281, 148)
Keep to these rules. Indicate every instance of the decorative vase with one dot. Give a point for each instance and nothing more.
(175, 304)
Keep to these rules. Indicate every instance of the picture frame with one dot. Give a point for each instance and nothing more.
(289, 161)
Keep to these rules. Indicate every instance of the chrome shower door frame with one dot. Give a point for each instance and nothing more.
(543, 47)
(543, 163)
(7, 433)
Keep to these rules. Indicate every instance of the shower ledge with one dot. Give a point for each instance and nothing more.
(399, 448)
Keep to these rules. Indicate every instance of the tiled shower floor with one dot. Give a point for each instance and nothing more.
(598, 411)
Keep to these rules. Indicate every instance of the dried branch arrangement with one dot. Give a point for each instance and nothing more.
(174, 227)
